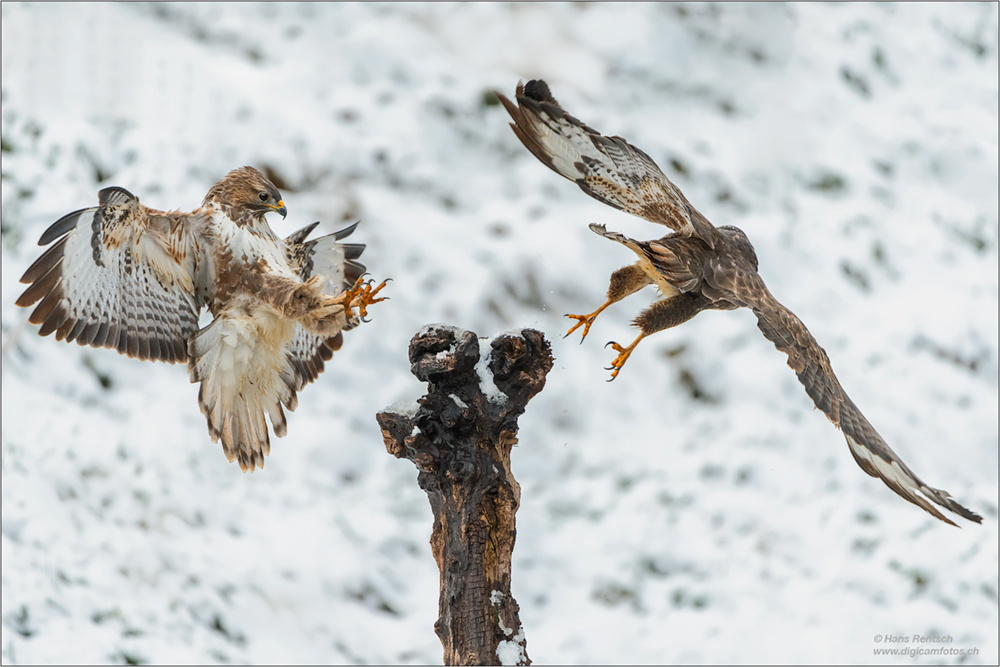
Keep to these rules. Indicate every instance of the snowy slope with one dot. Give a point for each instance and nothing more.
(697, 509)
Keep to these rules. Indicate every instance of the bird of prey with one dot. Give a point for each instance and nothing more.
(697, 267)
(127, 277)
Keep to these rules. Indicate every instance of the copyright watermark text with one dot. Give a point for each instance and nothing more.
(913, 639)
(910, 645)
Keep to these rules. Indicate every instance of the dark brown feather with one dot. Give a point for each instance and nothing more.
(51, 258)
(725, 278)
(86, 336)
(56, 318)
(608, 169)
(61, 226)
(352, 271)
(812, 366)
(148, 347)
(45, 308)
(101, 334)
(41, 287)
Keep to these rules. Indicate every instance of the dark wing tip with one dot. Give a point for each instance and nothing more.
(528, 113)
(352, 250)
(44, 264)
(537, 96)
(114, 195)
(61, 226)
(538, 90)
(352, 271)
(346, 231)
(963, 512)
(299, 236)
(106, 197)
(876, 459)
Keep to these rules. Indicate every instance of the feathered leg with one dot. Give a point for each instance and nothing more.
(328, 315)
(624, 282)
(663, 314)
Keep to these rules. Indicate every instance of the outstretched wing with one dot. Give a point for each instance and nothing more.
(337, 263)
(120, 276)
(812, 365)
(608, 169)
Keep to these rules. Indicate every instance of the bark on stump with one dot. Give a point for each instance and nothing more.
(460, 438)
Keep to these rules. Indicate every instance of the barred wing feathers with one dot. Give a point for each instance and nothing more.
(608, 169)
(336, 262)
(325, 256)
(812, 365)
(119, 276)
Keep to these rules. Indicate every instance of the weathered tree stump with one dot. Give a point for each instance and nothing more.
(459, 435)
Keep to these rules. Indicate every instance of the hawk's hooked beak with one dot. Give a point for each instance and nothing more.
(280, 208)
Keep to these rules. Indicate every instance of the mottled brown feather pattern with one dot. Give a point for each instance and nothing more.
(608, 169)
(238, 194)
(700, 267)
(89, 283)
(327, 256)
(134, 279)
(812, 366)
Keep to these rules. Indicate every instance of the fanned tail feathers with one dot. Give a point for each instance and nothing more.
(241, 377)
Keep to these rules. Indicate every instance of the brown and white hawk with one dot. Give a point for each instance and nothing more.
(133, 279)
(697, 267)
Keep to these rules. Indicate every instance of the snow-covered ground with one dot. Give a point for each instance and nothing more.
(695, 510)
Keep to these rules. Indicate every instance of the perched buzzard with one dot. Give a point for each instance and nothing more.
(130, 278)
(697, 267)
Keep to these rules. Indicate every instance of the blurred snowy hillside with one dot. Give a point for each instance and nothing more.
(696, 510)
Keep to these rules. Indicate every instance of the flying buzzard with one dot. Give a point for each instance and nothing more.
(133, 279)
(697, 267)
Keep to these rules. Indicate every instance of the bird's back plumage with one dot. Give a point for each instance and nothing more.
(699, 267)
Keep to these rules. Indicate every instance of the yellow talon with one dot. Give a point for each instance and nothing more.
(585, 320)
(365, 297)
(351, 293)
(623, 355)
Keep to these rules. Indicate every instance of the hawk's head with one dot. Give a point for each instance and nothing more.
(247, 191)
(740, 242)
